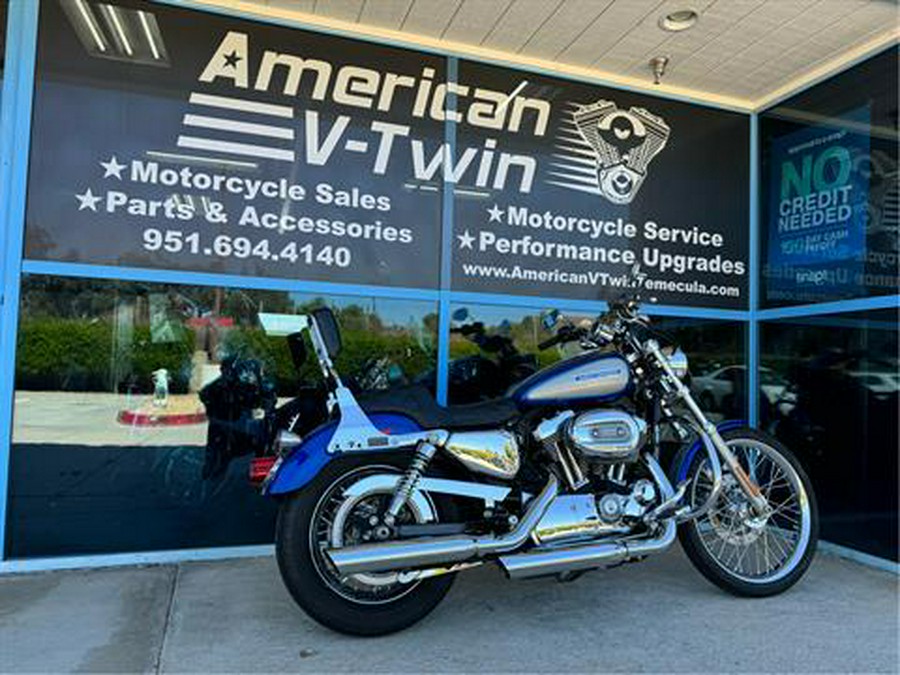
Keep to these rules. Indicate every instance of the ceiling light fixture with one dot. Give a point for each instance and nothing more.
(117, 24)
(675, 22)
(88, 19)
(146, 26)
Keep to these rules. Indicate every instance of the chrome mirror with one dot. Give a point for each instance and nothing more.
(460, 314)
(550, 318)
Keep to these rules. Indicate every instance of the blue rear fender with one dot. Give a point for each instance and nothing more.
(304, 462)
(681, 470)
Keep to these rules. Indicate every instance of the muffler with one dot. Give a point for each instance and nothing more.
(544, 562)
(435, 551)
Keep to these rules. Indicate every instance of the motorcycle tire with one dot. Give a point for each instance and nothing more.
(294, 552)
(700, 553)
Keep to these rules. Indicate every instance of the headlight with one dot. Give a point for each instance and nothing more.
(678, 361)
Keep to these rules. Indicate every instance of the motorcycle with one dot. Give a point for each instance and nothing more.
(382, 505)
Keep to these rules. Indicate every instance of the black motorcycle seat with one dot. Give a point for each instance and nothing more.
(416, 402)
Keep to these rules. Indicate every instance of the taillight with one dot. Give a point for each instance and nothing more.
(260, 468)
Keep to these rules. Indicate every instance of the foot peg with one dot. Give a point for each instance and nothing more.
(670, 507)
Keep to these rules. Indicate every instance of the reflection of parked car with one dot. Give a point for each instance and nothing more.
(716, 390)
(877, 382)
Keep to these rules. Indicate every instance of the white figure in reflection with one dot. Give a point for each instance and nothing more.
(161, 388)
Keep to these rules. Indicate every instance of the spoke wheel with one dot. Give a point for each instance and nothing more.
(345, 517)
(745, 552)
(336, 510)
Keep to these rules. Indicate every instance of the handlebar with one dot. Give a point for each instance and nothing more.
(621, 313)
(468, 329)
(565, 334)
(546, 344)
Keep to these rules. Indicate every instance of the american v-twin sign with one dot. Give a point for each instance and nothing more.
(603, 150)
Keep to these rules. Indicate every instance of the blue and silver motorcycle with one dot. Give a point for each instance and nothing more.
(391, 496)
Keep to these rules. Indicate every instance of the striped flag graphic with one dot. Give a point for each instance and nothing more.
(238, 127)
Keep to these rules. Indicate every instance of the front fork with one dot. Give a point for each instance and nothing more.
(710, 435)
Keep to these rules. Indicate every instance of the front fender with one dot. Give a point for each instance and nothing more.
(304, 462)
(683, 466)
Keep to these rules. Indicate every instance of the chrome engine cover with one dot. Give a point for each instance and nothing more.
(606, 436)
(573, 517)
(492, 453)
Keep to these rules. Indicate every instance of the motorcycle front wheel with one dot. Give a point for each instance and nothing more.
(739, 551)
(339, 509)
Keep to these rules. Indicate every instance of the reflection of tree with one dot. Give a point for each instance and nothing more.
(364, 336)
(525, 333)
(77, 354)
(709, 344)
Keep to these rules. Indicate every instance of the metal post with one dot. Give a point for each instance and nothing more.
(447, 195)
(15, 138)
(753, 323)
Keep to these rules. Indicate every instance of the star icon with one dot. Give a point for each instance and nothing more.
(88, 200)
(496, 213)
(112, 168)
(465, 240)
(232, 59)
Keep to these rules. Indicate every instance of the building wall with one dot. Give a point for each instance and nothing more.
(506, 196)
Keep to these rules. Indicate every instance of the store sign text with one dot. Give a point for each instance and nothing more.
(369, 89)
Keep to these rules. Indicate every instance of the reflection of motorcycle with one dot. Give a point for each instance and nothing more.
(384, 502)
(376, 374)
(484, 376)
(244, 414)
(243, 411)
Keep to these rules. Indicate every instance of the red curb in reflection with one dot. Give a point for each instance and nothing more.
(159, 419)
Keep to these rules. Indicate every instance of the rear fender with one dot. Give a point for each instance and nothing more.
(302, 464)
(683, 464)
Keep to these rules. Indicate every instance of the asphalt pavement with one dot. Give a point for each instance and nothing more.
(657, 616)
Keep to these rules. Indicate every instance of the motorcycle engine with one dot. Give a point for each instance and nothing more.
(605, 436)
(602, 442)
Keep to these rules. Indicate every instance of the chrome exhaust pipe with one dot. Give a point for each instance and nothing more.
(588, 556)
(440, 551)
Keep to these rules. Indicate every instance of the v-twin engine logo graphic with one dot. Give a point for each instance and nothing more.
(606, 150)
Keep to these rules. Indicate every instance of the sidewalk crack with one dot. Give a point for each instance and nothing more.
(170, 610)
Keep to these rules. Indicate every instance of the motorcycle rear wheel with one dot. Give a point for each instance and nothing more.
(742, 554)
(367, 605)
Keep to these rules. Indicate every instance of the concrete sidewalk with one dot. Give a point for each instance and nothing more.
(235, 616)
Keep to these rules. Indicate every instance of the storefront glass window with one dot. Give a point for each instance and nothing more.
(493, 347)
(593, 181)
(830, 189)
(175, 139)
(829, 390)
(109, 429)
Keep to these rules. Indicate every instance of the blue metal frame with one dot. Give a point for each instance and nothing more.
(594, 306)
(15, 139)
(225, 280)
(753, 281)
(15, 128)
(853, 305)
(447, 204)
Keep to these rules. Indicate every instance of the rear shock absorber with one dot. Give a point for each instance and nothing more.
(424, 452)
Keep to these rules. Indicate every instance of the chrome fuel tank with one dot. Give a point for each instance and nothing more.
(587, 377)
